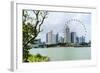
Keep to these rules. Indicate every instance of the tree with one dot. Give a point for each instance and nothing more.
(32, 21)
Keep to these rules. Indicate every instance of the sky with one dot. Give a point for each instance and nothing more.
(57, 21)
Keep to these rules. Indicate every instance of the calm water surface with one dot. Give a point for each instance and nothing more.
(64, 53)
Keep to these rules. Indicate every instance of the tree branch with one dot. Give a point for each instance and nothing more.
(41, 23)
(38, 23)
(30, 40)
(36, 18)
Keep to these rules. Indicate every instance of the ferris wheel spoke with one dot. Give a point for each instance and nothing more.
(78, 21)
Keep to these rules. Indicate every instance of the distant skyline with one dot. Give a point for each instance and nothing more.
(56, 21)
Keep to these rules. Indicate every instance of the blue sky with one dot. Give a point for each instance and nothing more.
(56, 21)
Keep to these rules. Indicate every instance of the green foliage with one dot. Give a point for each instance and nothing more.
(37, 58)
(31, 28)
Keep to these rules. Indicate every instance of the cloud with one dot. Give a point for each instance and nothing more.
(56, 21)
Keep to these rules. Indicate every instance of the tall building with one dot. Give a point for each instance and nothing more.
(54, 39)
(57, 36)
(73, 37)
(61, 39)
(80, 39)
(67, 35)
(83, 39)
(49, 36)
(77, 40)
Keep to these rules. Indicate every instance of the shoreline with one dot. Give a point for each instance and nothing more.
(60, 47)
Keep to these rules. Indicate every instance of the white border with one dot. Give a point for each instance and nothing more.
(17, 38)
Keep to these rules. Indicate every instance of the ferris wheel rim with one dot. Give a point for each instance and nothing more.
(79, 21)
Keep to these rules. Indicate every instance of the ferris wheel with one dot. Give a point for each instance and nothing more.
(77, 26)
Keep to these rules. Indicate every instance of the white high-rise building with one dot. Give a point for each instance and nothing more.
(67, 35)
(51, 38)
